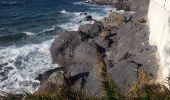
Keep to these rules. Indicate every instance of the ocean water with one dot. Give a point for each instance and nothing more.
(27, 29)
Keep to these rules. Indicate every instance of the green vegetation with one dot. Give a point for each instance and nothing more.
(140, 90)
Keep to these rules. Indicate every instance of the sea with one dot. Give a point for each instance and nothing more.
(27, 29)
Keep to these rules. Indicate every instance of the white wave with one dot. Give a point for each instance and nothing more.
(22, 64)
(8, 3)
(78, 18)
(50, 29)
(64, 12)
(79, 3)
(69, 26)
(13, 2)
(84, 3)
(29, 33)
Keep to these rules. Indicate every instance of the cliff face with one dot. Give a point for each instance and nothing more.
(121, 39)
(159, 22)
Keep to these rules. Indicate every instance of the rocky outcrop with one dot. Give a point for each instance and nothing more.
(121, 39)
(119, 4)
(127, 5)
(103, 2)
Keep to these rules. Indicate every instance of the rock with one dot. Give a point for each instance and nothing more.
(119, 4)
(86, 52)
(46, 88)
(123, 5)
(142, 21)
(11, 96)
(103, 43)
(53, 83)
(105, 34)
(79, 60)
(124, 48)
(43, 77)
(57, 78)
(76, 52)
(103, 2)
(88, 18)
(91, 29)
(114, 20)
(62, 49)
(83, 13)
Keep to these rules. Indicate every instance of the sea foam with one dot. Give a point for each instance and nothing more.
(77, 18)
(20, 65)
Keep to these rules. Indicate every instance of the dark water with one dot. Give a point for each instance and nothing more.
(20, 16)
(27, 29)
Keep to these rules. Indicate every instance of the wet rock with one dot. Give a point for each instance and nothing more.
(88, 18)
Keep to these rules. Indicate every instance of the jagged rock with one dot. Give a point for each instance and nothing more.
(62, 49)
(104, 2)
(105, 34)
(57, 78)
(46, 88)
(91, 29)
(123, 5)
(45, 76)
(78, 60)
(88, 18)
(124, 50)
(114, 20)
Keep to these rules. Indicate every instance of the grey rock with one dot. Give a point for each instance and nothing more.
(91, 29)
(62, 49)
(125, 50)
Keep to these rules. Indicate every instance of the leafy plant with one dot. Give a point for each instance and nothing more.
(111, 91)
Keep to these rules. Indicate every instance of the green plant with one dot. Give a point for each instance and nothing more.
(111, 91)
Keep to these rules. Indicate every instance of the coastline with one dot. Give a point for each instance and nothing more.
(121, 39)
(22, 63)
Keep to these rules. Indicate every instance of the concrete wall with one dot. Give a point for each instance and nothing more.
(159, 22)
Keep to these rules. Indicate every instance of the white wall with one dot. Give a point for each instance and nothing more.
(159, 23)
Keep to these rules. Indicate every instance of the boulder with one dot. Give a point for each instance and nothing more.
(53, 83)
(45, 76)
(88, 18)
(62, 49)
(78, 58)
(91, 30)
